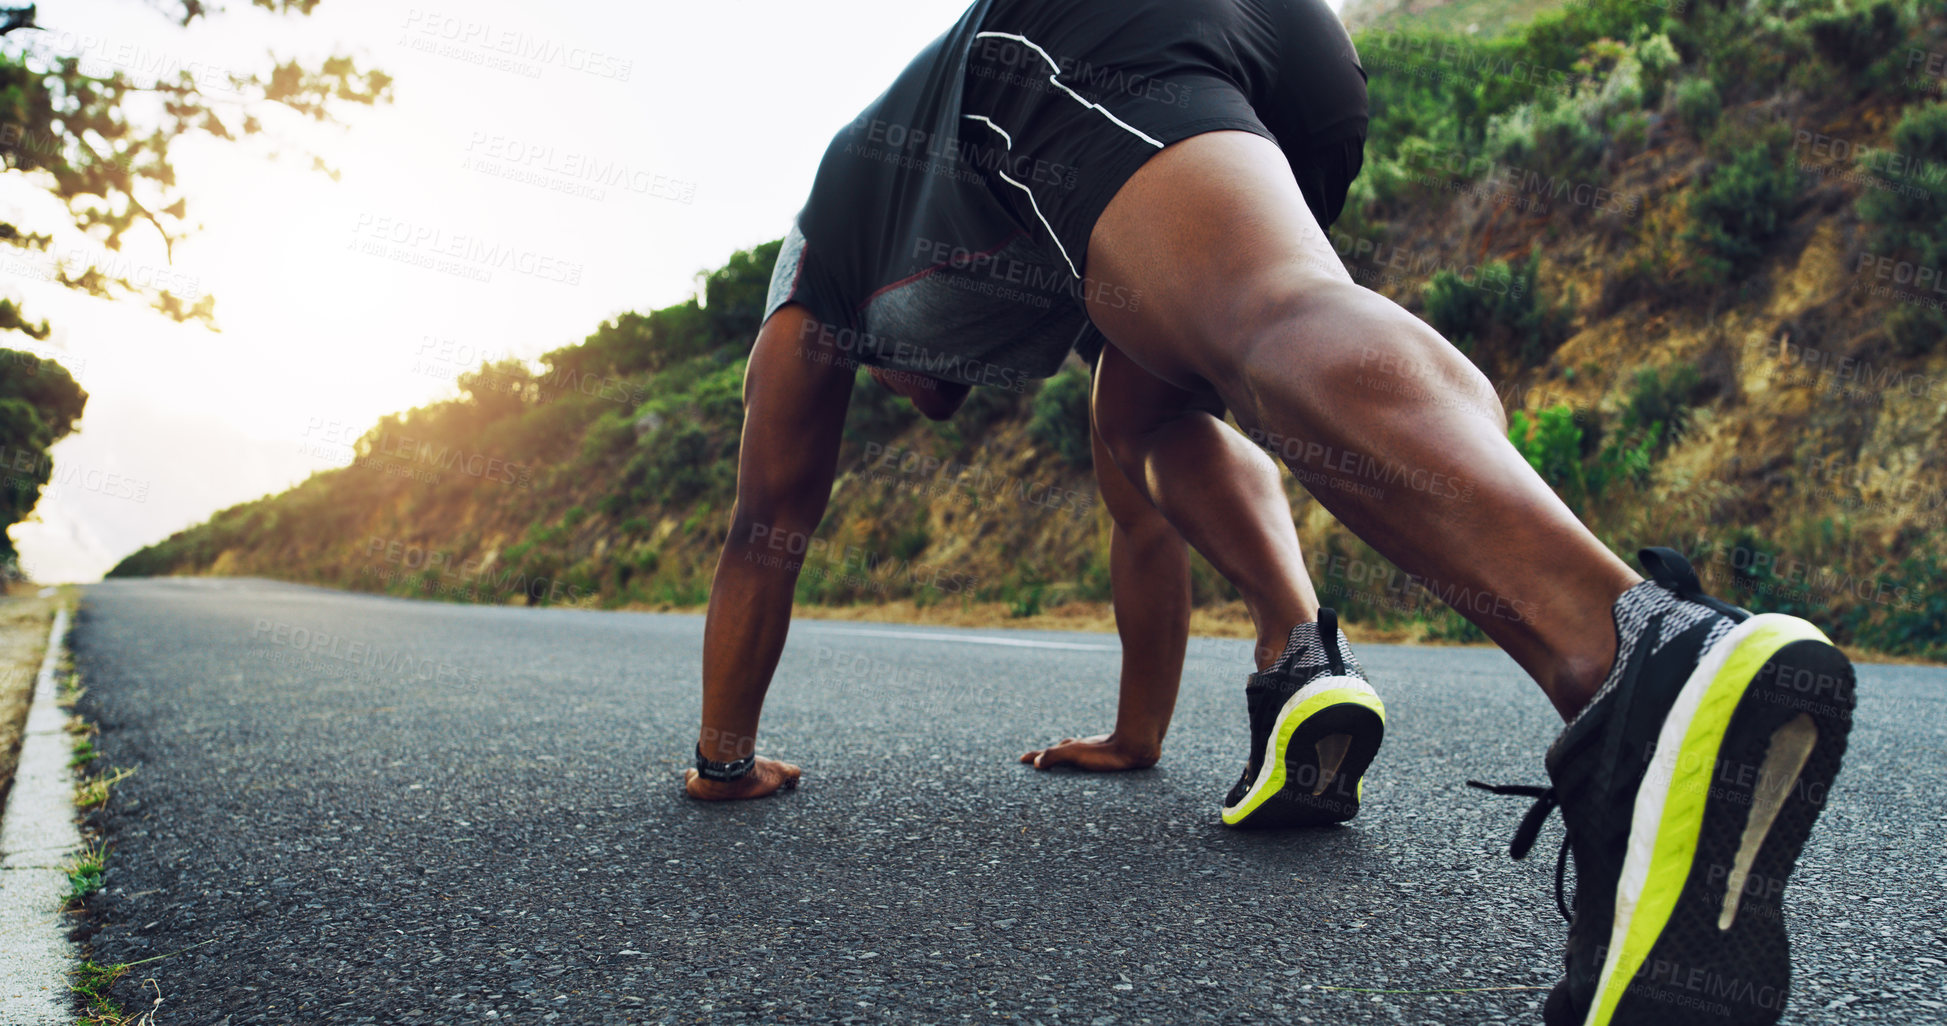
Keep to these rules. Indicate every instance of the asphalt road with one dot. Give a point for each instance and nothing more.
(458, 814)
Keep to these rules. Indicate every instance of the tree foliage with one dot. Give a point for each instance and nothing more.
(39, 403)
(102, 141)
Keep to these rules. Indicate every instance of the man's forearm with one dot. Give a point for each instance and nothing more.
(1149, 577)
(743, 636)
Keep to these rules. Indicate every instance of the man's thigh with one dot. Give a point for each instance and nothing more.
(1215, 237)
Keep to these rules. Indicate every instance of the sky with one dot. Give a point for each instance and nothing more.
(335, 301)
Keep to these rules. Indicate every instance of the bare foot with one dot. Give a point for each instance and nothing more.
(1103, 753)
(768, 776)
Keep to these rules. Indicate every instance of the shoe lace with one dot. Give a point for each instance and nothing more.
(1530, 828)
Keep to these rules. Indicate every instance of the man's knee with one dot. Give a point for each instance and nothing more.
(1122, 433)
(785, 526)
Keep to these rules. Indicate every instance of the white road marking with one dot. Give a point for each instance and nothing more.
(969, 639)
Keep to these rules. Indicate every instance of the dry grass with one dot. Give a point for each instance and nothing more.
(1225, 620)
(24, 619)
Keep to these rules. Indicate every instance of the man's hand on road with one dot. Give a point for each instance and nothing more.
(768, 776)
(1103, 753)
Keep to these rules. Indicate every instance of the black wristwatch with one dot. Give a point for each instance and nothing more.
(710, 769)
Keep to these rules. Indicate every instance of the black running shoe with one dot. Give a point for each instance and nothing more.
(1315, 725)
(1688, 787)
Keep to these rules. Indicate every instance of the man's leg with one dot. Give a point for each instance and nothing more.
(794, 411)
(1391, 427)
(1401, 438)
(1149, 581)
(1315, 722)
(1218, 489)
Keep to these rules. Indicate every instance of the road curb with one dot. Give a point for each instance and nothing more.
(37, 838)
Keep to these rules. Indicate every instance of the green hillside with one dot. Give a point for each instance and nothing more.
(1454, 17)
(1696, 247)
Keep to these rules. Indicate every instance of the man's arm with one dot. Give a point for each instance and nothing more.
(794, 414)
(1149, 581)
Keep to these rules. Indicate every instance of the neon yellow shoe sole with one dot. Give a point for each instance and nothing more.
(1312, 771)
(1742, 768)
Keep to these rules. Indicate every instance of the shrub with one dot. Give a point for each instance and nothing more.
(1582, 465)
(1756, 584)
(1659, 59)
(1742, 205)
(1917, 623)
(1631, 132)
(1502, 304)
(1912, 217)
(1916, 329)
(1558, 138)
(1854, 38)
(1628, 455)
(1662, 398)
(1552, 444)
(676, 464)
(1060, 418)
(609, 436)
(1698, 104)
(910, 540)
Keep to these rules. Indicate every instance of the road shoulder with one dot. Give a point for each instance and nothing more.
(38, 841)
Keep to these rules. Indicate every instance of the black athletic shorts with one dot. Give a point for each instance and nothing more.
(947, 229)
